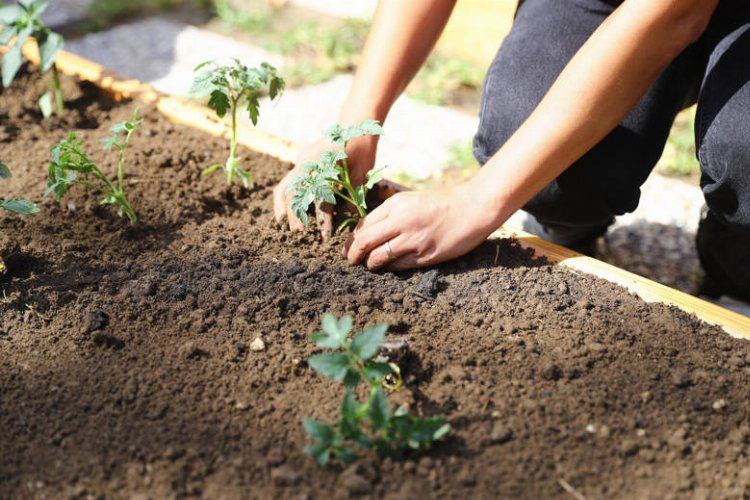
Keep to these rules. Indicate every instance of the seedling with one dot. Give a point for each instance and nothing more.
(68, 161)
(22, 207)
(22, 21)
(329, 178)
(368, 425)
(232, 88)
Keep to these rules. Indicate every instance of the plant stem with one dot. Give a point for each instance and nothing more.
(350, 189)
(232, 143)
(56, 88)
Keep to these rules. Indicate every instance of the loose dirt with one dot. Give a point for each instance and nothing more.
(126, 365)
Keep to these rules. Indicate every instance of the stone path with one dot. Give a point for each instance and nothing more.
(655, 241)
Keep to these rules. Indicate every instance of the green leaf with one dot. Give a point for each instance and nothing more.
(366, 343)
(203, 83)
(7, 33)
(45, 104)
(202, 65)
(108, 200)
(380, 412)
(330, 365)
(349, 407)
(321, 453)
(371, 127)
(5, 172)
(320, 431)
(12, 61)
(110, 142)
(22, 207)
(335, 330)
(425, 431)
(373, 177)
(376, 372)
(219, 102)
(253, 108)
(345, 455)
(49, 46)
(351, 379)
(9, 13)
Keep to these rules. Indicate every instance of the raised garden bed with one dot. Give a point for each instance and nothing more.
(126, 364)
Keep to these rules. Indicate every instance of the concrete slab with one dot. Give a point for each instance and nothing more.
(162, 52)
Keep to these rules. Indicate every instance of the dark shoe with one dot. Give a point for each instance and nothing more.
(724, 252)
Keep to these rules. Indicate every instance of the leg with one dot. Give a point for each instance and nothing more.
(723, 143)
(580, 204)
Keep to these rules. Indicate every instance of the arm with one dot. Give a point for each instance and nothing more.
(402, 35)
(594, 92)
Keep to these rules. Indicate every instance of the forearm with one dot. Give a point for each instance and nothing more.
(402, 35)
(592, 95)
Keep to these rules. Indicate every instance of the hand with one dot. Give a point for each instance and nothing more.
(422, 229)
(361, 153)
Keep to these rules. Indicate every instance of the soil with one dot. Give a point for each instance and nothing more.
(126, 368)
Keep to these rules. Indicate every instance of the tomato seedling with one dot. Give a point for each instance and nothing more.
(232, 88)
(20, 22)
(68, 161)
(368, 425)
(329, 177)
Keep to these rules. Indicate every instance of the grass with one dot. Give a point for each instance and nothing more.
(678, 159)
(459, 166)
(103, 13)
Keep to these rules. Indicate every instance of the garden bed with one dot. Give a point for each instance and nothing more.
(127, 367)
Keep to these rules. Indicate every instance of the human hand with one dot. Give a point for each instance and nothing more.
(361, 158)
(421, 229)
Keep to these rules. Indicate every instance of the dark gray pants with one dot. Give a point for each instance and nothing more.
(582, 202)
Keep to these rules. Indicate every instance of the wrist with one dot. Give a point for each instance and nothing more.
(492, 205)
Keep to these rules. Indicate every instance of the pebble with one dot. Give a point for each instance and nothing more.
(285, 475)
(719, 404)
(258, 345)
(98, 320)
(428, 284)
(501, 433)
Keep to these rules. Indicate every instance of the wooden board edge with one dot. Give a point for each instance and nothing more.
(187, 113)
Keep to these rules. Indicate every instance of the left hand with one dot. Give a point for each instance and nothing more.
(422, 228)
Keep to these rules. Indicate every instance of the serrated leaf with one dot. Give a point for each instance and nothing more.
(203, 84)
(22, 207)
(49, 46)
(371, 127)
(366, 343)
(253, 108)
(319, 452)
(380, 412)
(219, 102)
(320, 431)
(373, 177)
(5, 172)
(109, 142)
(331, 365)
(45, 104)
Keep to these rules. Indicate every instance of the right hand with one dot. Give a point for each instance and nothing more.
(361, 152)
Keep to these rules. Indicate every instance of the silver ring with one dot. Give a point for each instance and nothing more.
(389, 251)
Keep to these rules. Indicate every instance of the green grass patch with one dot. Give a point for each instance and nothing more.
(678, 159)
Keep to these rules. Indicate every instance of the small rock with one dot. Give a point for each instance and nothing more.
(719, 404)
(241, 406)
(258, 345)
(646, 397)
(501, 433)
(591, 429)
(284, 475)
(98, 320)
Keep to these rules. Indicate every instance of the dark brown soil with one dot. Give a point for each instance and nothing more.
(126, 369)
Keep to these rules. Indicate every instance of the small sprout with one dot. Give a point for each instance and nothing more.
(233, 88)
(68, 161)
(21, 207)
(20, 22)
(328, 178)
(368, 425)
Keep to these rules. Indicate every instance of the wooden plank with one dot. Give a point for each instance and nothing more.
(202, 118)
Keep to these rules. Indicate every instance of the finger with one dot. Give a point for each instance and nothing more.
(379, 257)
(367, 239)
(408, 261)
(279, 201)
(324, 216)
(378, 215)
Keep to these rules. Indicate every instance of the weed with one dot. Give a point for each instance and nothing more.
(22, 21)
(441, 77)
(68, 161)
(368, 425)
(678, 159)
(232, 87)
(328, 178)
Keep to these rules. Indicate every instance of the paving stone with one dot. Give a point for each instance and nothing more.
(162, 52)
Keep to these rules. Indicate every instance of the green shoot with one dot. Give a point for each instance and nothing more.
(21, 207)
(20, 22)
(68, 161)
(232, 88)
(328, 178)
(368, 425)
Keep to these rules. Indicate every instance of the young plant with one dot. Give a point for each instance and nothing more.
(22, 207)
(370, 424)
(20, 22)
(328, 178)
(232, 88)
(69, 161)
